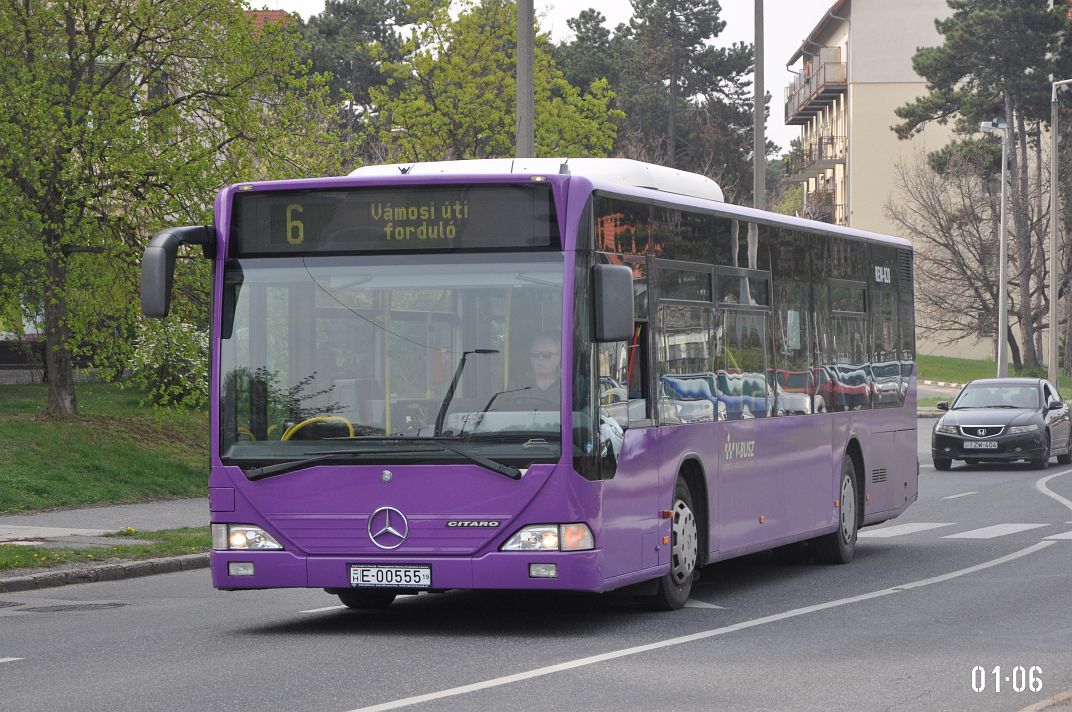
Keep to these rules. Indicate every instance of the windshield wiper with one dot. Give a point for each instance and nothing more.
(475, 458)
(442, 414)
(258, 473)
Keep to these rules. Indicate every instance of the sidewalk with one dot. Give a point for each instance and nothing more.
(82, 527)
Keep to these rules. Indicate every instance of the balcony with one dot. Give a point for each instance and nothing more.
(814, 90)
(820, 154)
(820, 205)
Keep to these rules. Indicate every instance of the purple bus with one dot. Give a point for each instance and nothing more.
(541, 374)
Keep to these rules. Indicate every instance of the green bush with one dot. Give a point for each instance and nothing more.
(170, 363)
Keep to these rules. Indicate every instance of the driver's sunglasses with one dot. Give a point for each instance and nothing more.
(544, 354)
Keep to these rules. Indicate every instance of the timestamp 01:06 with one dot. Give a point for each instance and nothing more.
(1017, 678)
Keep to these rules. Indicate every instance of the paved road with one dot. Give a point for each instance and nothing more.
(979, 577)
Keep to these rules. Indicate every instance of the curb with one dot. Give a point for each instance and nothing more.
(943, 384)
(929, 413)
(104, 572)
(1050, 703)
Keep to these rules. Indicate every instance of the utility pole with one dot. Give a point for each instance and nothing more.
(759, 152)
(1055, 213)
(1003, 248)
(526, 110)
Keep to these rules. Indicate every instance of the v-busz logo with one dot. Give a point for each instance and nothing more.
(737, 451)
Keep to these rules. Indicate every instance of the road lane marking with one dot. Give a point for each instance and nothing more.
(1041, 487)
(901, 529)
(1066, 535)
(325, 608)
(694, 603)
(994, 531)
(614, 654)
(10, 660)
(962, 494)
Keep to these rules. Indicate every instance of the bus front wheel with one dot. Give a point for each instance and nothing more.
(673, 589)
(839, 546)
(366, 600)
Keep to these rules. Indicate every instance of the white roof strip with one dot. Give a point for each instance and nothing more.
(619, 171)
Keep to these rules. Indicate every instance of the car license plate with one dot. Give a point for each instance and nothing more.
(385, 576)
(981, 445)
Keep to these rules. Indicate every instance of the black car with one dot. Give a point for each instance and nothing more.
(1002, 420)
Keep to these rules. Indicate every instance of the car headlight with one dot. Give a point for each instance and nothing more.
(551, 537)
(1023, 428)
(242, 537)
(947, 429)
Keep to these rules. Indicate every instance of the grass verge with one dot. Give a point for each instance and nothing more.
(953, 370)
(114, 451)
(169, 542)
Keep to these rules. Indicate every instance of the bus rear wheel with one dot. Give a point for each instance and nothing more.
(673, 589)
(366, 600)
(839, 546)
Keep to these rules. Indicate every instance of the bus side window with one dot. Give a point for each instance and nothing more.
(623, 377)
(742, 365)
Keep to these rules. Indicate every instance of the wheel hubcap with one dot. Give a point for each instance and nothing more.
(685, 543)
(848, 509)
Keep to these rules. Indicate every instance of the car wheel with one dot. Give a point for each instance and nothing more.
(839, 547)
(1043, 462)
(673, 589)
(366, 600)
(1065, 458)
(942, 463)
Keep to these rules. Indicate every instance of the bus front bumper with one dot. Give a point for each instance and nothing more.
(575, 570)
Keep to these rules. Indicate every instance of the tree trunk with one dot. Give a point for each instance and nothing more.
(1017, 361)
(58, 362)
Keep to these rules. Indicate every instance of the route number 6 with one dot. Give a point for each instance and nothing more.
(295, 227)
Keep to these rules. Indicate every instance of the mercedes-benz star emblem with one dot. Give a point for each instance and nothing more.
(387, 475)
(388, 528)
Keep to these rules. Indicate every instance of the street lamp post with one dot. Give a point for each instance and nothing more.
(1003, 249)
(1055, 264)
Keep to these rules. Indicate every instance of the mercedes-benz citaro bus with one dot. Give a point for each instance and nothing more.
(543, 374)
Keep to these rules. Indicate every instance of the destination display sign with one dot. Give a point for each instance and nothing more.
(393, 219)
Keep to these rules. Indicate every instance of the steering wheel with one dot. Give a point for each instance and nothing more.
(318, 419)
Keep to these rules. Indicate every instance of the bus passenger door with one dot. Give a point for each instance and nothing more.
(630, 476)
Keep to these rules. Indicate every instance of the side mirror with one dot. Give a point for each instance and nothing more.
(158, 265)
(613, 298)
(942, 405)
(1055, 405)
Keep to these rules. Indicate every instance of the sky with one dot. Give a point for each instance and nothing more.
(786, 24)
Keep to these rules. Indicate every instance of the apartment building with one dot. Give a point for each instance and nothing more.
(851, 72)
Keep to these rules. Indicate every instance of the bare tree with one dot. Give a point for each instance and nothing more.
(952, 219)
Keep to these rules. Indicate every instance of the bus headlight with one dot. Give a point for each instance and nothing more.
(551, 537)
(242, 537)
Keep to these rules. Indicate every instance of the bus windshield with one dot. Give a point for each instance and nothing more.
(366, 352)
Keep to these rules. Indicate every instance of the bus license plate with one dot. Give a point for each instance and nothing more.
(981, 445)
(381, 576)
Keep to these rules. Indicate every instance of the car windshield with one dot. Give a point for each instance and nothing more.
(318, 352)
(997, 396)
